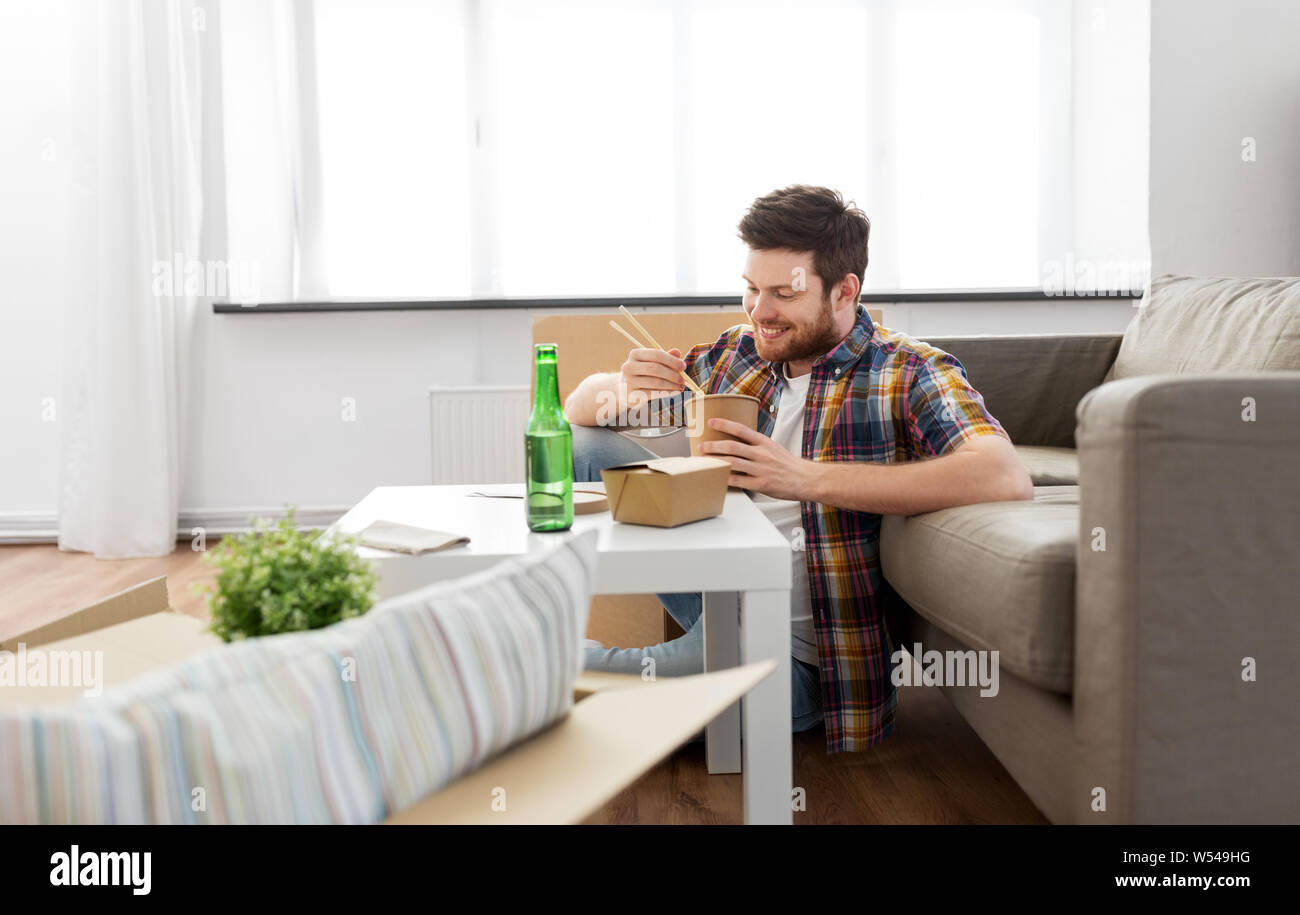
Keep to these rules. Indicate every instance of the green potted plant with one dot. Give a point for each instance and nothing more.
(277, 578)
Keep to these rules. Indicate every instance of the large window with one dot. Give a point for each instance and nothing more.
(531, 148)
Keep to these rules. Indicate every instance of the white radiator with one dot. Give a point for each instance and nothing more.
(477, 433)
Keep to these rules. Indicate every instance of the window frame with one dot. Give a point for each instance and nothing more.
(1056, 203)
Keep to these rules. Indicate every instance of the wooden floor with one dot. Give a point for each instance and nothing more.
(933, 770)
(39, 584)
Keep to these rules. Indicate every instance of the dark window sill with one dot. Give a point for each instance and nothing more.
(656, 301)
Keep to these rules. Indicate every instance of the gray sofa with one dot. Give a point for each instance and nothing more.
(1145, 604)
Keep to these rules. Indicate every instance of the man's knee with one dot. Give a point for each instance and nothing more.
(598, 447)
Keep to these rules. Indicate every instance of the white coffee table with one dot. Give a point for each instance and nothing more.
(738, 560)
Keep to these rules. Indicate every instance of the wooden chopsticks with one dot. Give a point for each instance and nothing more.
(653, 344)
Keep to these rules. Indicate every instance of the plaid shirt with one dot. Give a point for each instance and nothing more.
(878, 396)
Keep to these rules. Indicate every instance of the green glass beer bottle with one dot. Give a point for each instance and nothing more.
(548, 451)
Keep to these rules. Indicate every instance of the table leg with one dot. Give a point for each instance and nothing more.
(722, 650)
(768, 749)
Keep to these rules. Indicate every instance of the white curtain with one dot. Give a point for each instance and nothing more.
(198, 123)
(272, 191)
(138, 207)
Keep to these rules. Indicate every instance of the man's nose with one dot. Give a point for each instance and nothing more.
(763, 311)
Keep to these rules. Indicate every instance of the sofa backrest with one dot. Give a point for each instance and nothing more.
(1032, 382)
(1201, 325)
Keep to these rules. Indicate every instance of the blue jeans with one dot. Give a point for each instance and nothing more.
(595, 448)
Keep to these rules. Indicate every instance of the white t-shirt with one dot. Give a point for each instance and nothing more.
(788, 433)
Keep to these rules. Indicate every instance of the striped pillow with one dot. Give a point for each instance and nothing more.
(345, 724)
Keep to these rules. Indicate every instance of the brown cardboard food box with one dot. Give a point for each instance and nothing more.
(618, 729)
(667, 491)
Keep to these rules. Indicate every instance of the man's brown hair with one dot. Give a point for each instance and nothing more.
(816, 219)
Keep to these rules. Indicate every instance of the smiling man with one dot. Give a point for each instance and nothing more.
(855, 422)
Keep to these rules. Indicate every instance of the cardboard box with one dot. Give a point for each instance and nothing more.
(586, 344)
(626, 620)
(668, 491)
(140, 600)
(135, 631)
(620, 727)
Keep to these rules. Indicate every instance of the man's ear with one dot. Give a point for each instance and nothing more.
(847, 290)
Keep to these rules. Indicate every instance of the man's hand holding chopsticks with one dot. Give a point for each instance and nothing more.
(652, 373)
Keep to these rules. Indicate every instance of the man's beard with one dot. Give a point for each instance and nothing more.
(800, 342)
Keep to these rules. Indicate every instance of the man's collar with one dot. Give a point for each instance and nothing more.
(851, 348)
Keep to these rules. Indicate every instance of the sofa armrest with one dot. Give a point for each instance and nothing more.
(1188, 565)
(1032, 383)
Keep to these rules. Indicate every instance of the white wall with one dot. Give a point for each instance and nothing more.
(268, 389)
(1111, 93)
(266, 426)
(34, 120)
(1222, 72)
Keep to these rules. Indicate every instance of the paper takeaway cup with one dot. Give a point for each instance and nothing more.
(699, 410)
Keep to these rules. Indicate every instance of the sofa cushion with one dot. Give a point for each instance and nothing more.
(998, 576)
(345, 724)
(1050, 466)
(1212, 324)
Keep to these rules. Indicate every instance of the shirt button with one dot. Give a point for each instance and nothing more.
(837, 373)
(771, 409)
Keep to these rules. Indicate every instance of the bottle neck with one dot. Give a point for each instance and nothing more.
(548, 385)
(546, 392)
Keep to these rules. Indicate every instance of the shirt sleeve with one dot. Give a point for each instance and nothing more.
(944, 411)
